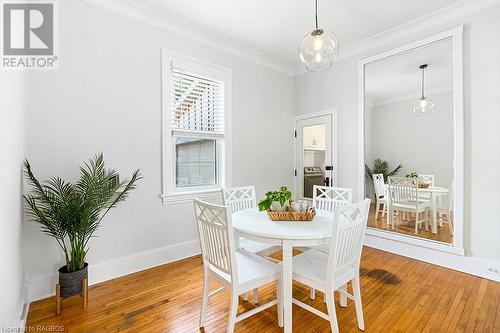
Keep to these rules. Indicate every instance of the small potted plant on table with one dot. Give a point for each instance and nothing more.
(277, 201)
(72, 212)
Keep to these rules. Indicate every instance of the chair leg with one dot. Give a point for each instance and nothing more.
(357, 302)
(312, 293)
(343, 298)
(244, 296)
(232, 312)
(204, 302)
(377, 206)
(324, 297)
(384, 209)
(279, 295)
(332, 315)
(256, 296)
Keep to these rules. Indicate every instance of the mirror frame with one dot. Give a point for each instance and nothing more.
(456, 36)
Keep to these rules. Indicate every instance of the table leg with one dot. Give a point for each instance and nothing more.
(434, 213)
(287, 286)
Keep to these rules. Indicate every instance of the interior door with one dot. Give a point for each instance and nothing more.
(314, 154)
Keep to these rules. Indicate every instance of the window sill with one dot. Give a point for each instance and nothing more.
(183, 197)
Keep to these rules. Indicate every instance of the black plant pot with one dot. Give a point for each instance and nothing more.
(71, 282)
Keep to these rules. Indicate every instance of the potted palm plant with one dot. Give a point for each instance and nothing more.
(72, 212)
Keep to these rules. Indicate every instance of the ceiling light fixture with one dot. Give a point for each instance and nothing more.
(423, 106)
(319, 48)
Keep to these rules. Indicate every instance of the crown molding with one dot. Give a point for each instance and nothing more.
(407, 97)
(164, 22)
(411, 28)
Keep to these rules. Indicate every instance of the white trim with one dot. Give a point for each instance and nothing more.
(467, 264)
(414, 240)
(334, 144)
(44, 286)
(164, 22)
(22, 309)
(169, 194)
(456, 35)
(183, 197)
(436, 19)
(170, 24)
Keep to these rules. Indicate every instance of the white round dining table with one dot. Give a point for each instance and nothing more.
(256, 225)
(434, 192)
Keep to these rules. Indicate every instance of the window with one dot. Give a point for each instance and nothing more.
(195, 135)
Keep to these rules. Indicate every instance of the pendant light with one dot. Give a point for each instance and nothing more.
(319, 48)
(423, 106)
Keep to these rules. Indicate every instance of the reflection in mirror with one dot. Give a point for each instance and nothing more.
(314, 139)
(409, 144)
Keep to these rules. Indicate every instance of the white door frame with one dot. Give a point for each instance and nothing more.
(329, 112)
(456, 36)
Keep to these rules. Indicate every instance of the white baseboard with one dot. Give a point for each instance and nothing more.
(467, 264)
(22, 310)
(44, 286)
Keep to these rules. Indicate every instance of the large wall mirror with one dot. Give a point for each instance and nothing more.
(412, 119)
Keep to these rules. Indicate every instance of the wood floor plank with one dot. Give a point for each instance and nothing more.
(399, 295)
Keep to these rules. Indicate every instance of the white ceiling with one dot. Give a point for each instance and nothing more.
(398, 77)
(275, 27)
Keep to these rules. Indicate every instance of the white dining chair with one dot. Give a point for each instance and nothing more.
(240, 198)
(236, 271)
(378, 184)
(404, 197)
(327, 198)
(429, 179)
(331, 272)
(446, 210)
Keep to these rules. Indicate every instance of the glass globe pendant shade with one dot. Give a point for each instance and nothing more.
(423, 107)
(318, 49)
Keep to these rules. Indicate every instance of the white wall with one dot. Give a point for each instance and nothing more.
(339, 88)
(421, 144)
(106, 97)
(11, 152)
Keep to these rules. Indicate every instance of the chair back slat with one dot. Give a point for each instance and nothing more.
(404, 191)
(327, 198)
(378, 184)
(216, 236)
(240, 198)
(348, 236)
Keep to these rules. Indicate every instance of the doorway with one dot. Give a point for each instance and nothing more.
(315, 153)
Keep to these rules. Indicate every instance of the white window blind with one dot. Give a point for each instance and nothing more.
(197, 105)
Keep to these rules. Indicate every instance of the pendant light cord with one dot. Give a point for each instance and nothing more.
(423, 96)
(316, 9)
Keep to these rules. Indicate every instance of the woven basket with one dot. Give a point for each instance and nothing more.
(288, 215)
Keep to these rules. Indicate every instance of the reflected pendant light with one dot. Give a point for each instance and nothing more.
(319, 48)
(423, 106)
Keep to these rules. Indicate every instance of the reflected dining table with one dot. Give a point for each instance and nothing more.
(255, 225)
(434, 192)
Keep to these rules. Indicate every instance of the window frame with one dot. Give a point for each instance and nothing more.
(170, 192)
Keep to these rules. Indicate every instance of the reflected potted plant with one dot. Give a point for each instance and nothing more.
(415, 176)
(72, 212)
(276, 201)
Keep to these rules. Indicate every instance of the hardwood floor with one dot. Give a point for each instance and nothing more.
(408, 228)
(399, 295)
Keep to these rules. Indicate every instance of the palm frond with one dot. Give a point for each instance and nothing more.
(71, 213)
